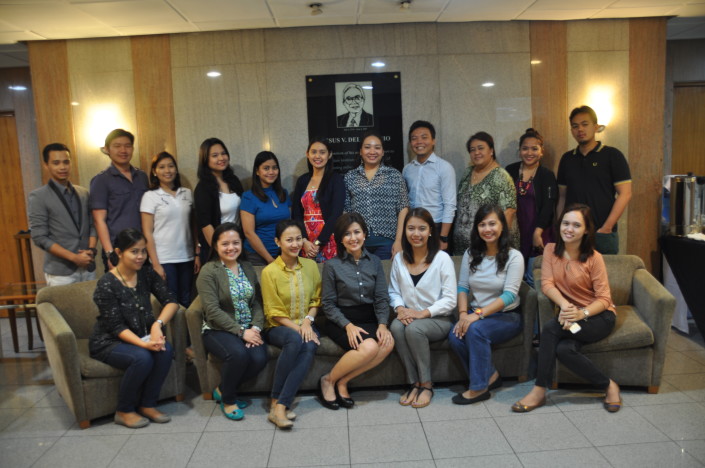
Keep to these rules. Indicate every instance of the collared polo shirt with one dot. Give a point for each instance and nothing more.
(111, 191)
(432, 186)
(591, 179)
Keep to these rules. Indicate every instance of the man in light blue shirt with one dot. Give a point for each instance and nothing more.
(430, 179)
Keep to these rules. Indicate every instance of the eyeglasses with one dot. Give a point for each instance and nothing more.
(357, 98)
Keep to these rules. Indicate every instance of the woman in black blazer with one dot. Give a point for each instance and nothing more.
(318, 200)
(537, 194)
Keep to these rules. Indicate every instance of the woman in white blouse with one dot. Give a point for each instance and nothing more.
(422, 292)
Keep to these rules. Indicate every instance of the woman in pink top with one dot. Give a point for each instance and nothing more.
(573, 276)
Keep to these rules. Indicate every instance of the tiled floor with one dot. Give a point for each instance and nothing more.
(663, 430)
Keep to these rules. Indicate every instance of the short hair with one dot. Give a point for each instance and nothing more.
(478, 246)
(153, 180)
(422, 124)
(434, 242)
(123, 241)
(485, 137)
(531, 133)
(285, 224)
(583, 110)
(117, 133)
(587, 243)
(349, 86)
(53, 147)
(225, 227)
(342, 224)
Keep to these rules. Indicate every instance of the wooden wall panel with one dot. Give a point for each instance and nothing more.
(647, 65)
(549, 87)
(48, 61)
(154, 102)
(688, 130)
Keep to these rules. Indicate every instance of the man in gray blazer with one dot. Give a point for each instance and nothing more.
(61, 222)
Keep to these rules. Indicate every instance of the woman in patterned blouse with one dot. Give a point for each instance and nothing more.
(232, 317)
(379, 194)
(484, 183)
(126, 333)
(291, 292)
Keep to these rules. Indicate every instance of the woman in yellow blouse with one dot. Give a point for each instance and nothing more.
(291, 291)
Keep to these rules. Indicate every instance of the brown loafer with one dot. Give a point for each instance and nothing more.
(519, 408)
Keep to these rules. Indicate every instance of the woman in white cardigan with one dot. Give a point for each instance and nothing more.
(422, 292)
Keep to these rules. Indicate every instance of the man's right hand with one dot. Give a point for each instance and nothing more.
(83, 258)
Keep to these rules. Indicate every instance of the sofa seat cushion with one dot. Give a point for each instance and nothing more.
(629, 332)
(92, 368)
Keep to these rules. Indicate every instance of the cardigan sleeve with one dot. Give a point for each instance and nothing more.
(213, 313)
(256, 299)
(332, 206)
(297, 211)
(448, 297)
(549, 198)
(515, 273)
(205, 206)
(395, 297)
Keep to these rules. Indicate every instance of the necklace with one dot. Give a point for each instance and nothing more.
(273, 202)
(524, 186)
(132, 292)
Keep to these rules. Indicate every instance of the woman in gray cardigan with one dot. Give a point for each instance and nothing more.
(232, 317)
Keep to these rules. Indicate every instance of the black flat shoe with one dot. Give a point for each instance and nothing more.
(333, 405)
(496, 384)
(459, 399)
(342, 401)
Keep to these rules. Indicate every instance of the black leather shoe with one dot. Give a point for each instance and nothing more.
(342, 401)
(333, 405)
(459, 399)
(496, 384)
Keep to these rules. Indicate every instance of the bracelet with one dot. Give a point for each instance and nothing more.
(479, 313)
(312, 319)
(160, 322)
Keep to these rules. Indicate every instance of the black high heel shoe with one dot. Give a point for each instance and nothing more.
(343, 401)
(333, 405)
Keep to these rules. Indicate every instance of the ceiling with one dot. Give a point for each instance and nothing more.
(31, 20)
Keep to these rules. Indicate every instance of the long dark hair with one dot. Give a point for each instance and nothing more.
(365, 136)
(205, 174)
(478, 247)
(153, 180)
(327, 170)
(261, 158)
(587, 243)
(342, 224)
(433, 243)
(225, 227)
(123, 241)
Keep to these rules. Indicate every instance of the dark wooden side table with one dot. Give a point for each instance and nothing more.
(15, 296)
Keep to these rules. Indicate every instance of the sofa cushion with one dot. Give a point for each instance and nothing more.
(629, 332)
(92, 368)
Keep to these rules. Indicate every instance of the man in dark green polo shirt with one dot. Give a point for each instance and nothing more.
(596, 175)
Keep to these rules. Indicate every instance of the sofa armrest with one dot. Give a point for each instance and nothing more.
(62, 352)
(194, 322)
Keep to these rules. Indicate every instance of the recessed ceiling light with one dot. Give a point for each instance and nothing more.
(378, 64)
(367, 87)
(17, 88)
(213, 74)
(535, 62)
(489, 84)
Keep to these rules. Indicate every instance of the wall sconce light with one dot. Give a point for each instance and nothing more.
(316, 9)
(600, 99)
(405, 5)
(103, 119)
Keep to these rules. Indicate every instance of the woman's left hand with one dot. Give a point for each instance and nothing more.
(157, 336)
(405, 315)
(310, 249)
(461, 327)
(307, 333)
(384, 336)
(196, 265)
(572, 314)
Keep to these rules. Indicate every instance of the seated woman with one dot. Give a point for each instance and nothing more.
(488, 302)
(574, 277)
(232, 317)
(422, 292)
(318, 201)
(291, 292)
(356, 303)
(263, 206)
(128, 336)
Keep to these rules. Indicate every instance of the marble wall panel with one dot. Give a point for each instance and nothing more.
(217, 48)
(504, 110)
(596, 35)
(483, 37)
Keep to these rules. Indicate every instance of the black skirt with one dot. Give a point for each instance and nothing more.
(362, 316)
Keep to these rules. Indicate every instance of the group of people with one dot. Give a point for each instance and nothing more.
(499, 219)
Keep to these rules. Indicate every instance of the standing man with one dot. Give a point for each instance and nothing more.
(596, 175)
(61, 223)
(117, 191)
(430, 179)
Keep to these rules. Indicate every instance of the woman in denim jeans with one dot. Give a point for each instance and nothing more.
(488, 302)
(291, 291)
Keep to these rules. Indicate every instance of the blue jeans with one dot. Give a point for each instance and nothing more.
(240, 363)
(145, 372)
(179, 279)
(380, 246)
(475, 348)
(293, 363)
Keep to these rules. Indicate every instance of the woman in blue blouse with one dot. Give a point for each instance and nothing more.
(262, 208)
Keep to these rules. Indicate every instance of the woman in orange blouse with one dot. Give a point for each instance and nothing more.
(573, 276)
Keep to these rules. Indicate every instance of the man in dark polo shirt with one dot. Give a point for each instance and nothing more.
(596, 175)
(116, 192)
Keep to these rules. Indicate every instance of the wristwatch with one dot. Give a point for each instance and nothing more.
(317, 243)
(310, 318)
(160, 322)
(479, 313)
(443, 239)
(586, 313)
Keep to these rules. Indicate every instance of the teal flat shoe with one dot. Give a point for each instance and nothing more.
(235, 415)
(242, 404)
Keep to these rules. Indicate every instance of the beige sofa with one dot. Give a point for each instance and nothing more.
(511, 358)
(634, 352)
(90, 387)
